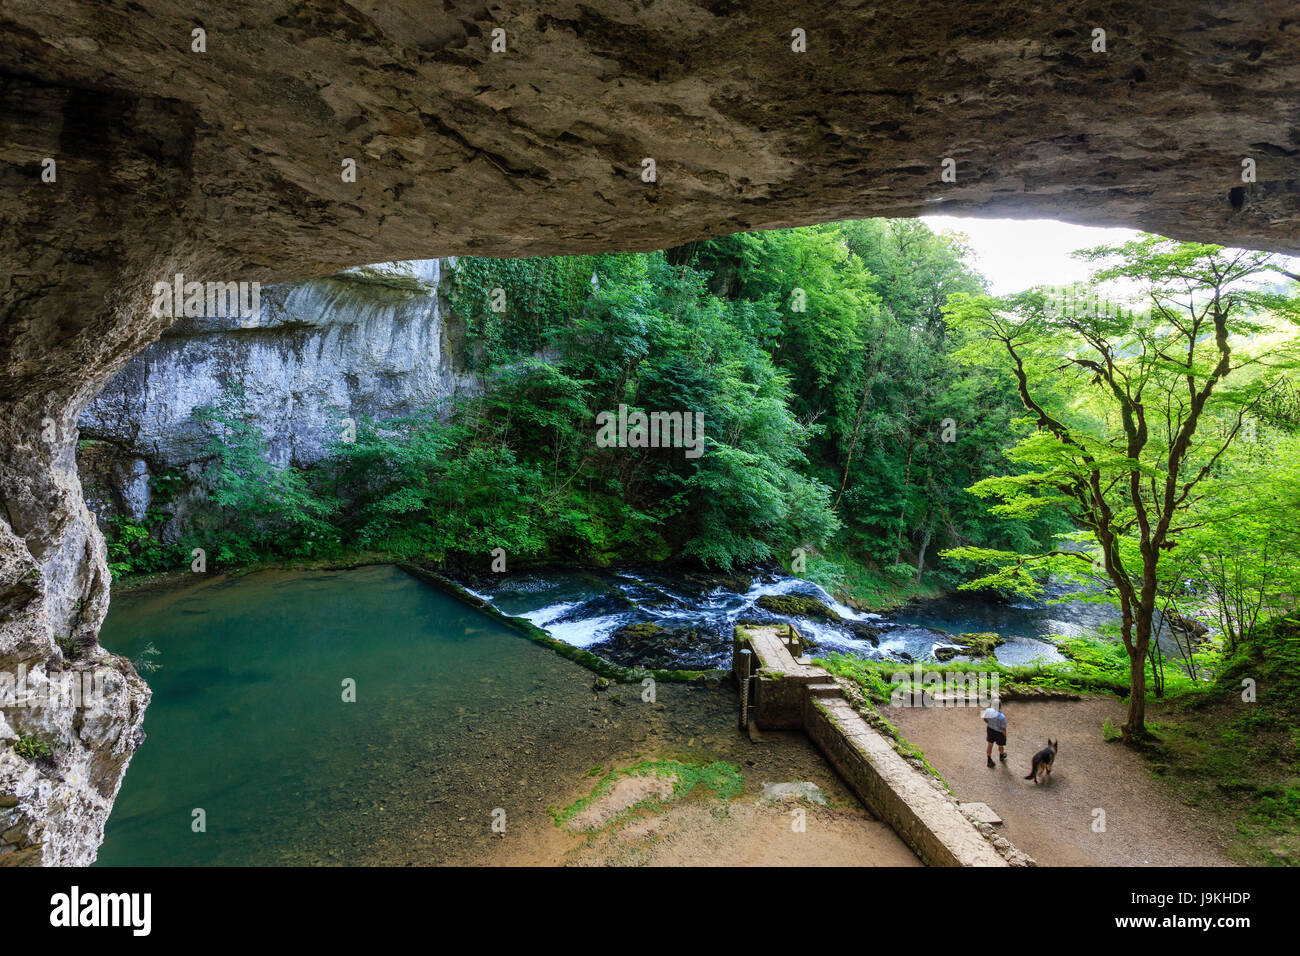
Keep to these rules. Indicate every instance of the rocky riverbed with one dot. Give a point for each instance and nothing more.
(663, 617)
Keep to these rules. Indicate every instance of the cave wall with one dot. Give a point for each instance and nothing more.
(226, 164)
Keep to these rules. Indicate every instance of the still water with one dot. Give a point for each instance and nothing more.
(248, 723)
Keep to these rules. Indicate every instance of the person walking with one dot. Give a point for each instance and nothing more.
(996, 723)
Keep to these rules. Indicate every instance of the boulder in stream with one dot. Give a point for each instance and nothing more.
(654, 646)
(974, 646)
(795, 605)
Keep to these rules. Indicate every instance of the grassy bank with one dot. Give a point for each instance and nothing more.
(1093, 665)
(1226, 753)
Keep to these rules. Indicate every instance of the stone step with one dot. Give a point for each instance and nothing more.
(981, 813)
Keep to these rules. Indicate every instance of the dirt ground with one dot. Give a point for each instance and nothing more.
(748, 833)
(702, 830)
(1058, 824)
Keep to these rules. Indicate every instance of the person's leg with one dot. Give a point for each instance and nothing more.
(988, 753)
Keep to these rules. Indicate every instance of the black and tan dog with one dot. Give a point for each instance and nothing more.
(1041, 768)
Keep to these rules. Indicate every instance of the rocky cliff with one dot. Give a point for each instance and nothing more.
(373, 341)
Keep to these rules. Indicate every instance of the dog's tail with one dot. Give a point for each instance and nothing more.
(1033, 770)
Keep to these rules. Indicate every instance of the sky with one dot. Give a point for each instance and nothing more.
(1014, 254)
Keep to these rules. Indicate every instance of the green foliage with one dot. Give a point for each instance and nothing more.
(518, 467)
(869, 676)
(536, 296)
(1243, 542)
(1268, 656)
(896, 427)
(1278, 805)
(422, 486)
(257, 509)
(841, 574)
(1094, 665)
(31, 747)
(136, 547)
(1237, 755)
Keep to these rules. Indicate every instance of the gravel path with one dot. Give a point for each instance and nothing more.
(1144, 824)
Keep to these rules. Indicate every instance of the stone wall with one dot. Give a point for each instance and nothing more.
(792, 694)
(929, 822)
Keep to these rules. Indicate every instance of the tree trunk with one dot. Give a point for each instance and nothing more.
(920, 557)
(1135, 727)
(853, 442)
(902, 511)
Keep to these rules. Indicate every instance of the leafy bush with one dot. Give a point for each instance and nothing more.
(257, 509)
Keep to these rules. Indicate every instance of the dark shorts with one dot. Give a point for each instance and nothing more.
(998, 737)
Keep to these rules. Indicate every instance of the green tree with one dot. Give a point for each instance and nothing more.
(258, 509)
(1117, 402)
(1242, 543)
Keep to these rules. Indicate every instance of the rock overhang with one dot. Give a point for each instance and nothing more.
(538, 148)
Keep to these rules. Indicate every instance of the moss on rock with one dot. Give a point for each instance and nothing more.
(794, 605)
(980, 644)
(976, 645)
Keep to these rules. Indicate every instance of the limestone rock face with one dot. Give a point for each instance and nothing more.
(371, 341)
(53, 596)
(133, 148)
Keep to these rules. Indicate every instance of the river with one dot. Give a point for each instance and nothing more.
(698, 611)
